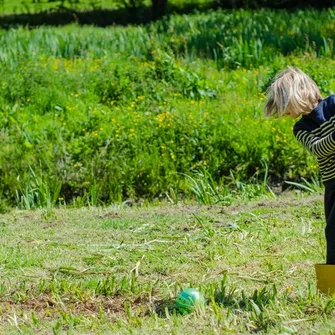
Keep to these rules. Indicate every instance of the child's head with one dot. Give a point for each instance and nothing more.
(292, 93)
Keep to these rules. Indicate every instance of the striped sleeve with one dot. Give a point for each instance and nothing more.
(320, 147)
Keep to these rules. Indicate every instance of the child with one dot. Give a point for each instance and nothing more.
(295, 94)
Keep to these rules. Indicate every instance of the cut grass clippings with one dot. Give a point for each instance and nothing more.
(119, 269)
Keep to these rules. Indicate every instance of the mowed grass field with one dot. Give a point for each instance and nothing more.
(118, 270)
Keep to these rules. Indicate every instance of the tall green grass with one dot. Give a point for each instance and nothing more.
(109, 131)
(92, 116)
(230, 38)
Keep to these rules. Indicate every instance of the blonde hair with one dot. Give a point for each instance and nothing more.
(294, 89)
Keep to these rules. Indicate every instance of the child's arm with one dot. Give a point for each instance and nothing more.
(320, 147)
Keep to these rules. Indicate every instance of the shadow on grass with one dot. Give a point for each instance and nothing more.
(142, 15)
(240, 300)
(164, 308)
(98, 17)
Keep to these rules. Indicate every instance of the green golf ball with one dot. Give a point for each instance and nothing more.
(189, 299)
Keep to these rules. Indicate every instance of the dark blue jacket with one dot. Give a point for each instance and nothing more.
(316, 131)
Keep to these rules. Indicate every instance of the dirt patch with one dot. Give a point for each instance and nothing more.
(47, 306)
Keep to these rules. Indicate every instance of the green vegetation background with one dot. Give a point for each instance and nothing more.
(102, 115)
